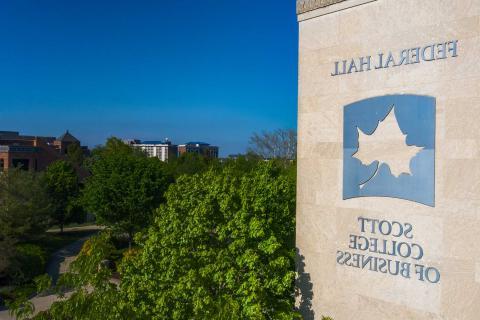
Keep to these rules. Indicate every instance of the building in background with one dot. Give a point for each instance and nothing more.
(163, 150)
(64, 141)
(202, 148)
(33, 152)
(131, 142)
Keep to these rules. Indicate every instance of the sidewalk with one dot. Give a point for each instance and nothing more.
(57, 265)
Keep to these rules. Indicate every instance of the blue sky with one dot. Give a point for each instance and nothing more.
(210, 70)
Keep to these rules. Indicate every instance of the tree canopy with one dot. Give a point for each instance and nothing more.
(63, 188)
(25, 211)
(223, 244)
(124, 187)
(25, 208)
(221, 247)
(75, 154)
(218, 244)
(190, 163)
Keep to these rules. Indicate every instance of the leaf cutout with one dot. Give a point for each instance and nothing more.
(386, 144)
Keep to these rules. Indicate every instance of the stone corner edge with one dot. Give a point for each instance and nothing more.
(304, 6)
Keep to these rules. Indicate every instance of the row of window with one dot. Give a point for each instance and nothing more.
(20, 163)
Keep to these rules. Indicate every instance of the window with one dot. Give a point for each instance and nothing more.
(21, 163)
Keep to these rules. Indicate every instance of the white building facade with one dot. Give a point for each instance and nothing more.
(163, 150)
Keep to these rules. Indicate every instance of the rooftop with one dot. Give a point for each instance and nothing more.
(156, 142)
(197, 143)
(14, 133)
(67, 137)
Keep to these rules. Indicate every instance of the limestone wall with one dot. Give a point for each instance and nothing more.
(449, 232)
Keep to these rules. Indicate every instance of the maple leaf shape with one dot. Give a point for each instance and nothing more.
(386, 144)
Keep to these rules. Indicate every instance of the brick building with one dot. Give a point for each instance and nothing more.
(33, 152)
(64, 141)
(202, 148)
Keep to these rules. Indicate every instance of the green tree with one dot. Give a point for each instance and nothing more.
(221, 247)
(63, 188)
(190, 163)
(93, 294)
(25, 211)
(124, 187)
(75, 154)
(25, 207)
(7, 248)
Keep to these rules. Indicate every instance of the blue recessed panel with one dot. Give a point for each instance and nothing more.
(415, 116)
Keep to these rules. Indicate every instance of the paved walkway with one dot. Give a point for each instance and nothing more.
(57, 265)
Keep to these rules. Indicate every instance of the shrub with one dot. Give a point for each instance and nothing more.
(30, 261)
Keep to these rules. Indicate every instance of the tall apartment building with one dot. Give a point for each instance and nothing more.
(33, 152)
(163, 150)
(202, 148)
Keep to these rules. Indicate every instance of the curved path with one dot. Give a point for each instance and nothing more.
(57, 265)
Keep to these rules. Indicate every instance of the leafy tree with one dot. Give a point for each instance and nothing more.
(25, 212)
(277, 144)
(63, 188)
(7, 257)
(190, 163)
(125, 187)
(221, 247)
(25, 207)
(75, 154)
(242, 164)
(93, 295)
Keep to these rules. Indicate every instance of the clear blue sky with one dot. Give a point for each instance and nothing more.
(208, 70)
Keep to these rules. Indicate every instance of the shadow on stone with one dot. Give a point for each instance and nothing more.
(303, 288)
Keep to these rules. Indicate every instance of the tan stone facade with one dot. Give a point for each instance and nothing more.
(448, 232)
